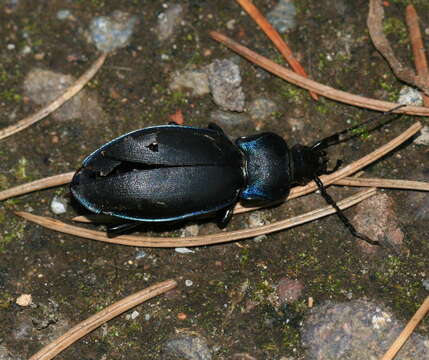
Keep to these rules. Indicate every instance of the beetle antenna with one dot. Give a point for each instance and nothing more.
(335, 138)
(341, 215)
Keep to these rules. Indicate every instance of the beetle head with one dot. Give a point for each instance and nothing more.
(307, 162)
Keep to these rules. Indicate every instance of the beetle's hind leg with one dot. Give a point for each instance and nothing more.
(224, 217)
(122, 228)
(215, 127)
(341, 215)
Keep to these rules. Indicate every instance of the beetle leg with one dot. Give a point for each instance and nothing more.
(224, 217)
(215, 127)
(119, 229)
(341, 215)
(174, 123)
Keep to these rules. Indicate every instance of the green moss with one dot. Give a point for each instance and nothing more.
(10, 95)
(396, 27)
(17, 232)
(6, 300)
(20, 171)
(390, 88)
(4, 182)
(293, 93)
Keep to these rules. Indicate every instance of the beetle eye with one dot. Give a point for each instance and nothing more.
(153, 147)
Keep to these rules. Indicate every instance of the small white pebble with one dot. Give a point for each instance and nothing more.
(58, 205)
(24, 300)
(189, 282)
(134, 314)
(184, 250)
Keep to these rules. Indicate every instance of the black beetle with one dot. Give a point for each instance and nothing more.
(172, 172)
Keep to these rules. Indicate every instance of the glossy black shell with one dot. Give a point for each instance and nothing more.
(171, 172)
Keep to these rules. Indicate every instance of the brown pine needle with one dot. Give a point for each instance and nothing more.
(40, 184)
(384, 183)
(221, 237)
(408, 330)
(98, 319)
(314, 86)
(275, 37)
(417, 45)
(48, 109)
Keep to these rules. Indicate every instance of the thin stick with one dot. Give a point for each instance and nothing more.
(275, 37)
(48, 109)
(314, 86)
(383, 183)
(417, 45)
(375, 28)
(168, 242)
(98, 319)
(405, 334)
(51, 181)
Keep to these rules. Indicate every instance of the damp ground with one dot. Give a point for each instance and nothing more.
(71, 278)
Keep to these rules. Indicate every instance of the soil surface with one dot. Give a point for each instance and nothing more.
(71, 278)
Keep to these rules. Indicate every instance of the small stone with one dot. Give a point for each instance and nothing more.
(377, 219)
(109, 33)
(189, 283)
(181, 316)
(423, 137)
(410, 96)
(24, 300)
(189, 347)
(58, 205)
(289, 290)
(261, 109)
(229, 119)
(134, 314)
(63, 14)
(195, 80)
(184, 250)
(256, 219)
(168, 21)
(190, 230)
(357, 330)
(141, 254)
(282, 16)
(425, 284)
(225, 85)
(43, 86)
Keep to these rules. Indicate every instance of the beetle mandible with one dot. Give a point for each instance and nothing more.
(172, 172)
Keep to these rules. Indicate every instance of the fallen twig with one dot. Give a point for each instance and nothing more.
(98, 319)
(48, 109)
(384, 183)
(312, 85)
(221, 237)
(417, 45)
(408, 330)
(375, 27)
(41, 184)
(275, 37)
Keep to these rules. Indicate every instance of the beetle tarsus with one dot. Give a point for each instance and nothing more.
(215, 127)
(224, 217)
(122, 228)
(341, 215)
